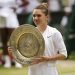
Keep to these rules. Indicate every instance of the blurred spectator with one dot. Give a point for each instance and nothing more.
(67, 22)
(8, 22)
(67, 4)
(22, 7)
(55, 8)
(25, 9)
(67, 8)
(54, 5)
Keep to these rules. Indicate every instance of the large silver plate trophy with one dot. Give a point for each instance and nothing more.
(27, 44)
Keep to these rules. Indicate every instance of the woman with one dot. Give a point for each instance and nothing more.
(54, 44)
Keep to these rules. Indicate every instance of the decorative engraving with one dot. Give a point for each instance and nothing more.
(27, 44)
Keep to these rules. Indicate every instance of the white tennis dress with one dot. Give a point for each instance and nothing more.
(53, 44)
(8, 13)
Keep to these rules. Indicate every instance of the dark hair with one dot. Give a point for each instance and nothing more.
(43, 7)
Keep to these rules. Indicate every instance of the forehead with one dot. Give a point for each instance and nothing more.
(37, 11)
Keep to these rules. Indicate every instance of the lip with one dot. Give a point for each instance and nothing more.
(36, 22)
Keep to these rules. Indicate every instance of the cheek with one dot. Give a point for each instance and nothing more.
(43, 19)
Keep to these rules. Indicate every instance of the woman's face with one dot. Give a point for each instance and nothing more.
(39, 18)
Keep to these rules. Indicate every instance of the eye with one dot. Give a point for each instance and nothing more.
(33, 15)
(38, 15)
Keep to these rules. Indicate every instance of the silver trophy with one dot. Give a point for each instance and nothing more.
(27, 44)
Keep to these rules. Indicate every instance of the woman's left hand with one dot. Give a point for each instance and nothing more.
(40, 59)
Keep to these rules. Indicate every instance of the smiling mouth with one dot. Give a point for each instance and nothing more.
(36, 22)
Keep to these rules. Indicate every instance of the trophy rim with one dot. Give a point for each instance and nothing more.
(14, 38)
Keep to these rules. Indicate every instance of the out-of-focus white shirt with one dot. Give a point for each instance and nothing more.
(7, 3)
(54, 5)
(7, 11)
(28, 8)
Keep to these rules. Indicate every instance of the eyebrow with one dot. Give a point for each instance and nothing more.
(38, 15)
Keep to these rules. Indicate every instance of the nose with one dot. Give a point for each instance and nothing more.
(36, 17)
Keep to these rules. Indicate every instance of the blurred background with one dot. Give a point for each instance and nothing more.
(18, 12)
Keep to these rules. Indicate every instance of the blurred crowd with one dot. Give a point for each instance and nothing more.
(17, 12)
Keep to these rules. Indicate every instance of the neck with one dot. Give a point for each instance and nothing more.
(42, 28)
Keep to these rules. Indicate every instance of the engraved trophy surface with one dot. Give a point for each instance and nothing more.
(27, 44)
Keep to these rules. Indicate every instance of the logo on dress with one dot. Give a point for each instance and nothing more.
(48, 36)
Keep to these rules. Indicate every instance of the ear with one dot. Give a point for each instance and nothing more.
(48, 18)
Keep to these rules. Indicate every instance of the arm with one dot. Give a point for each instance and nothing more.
(47, 58)
(59, 46)
(53, 58)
